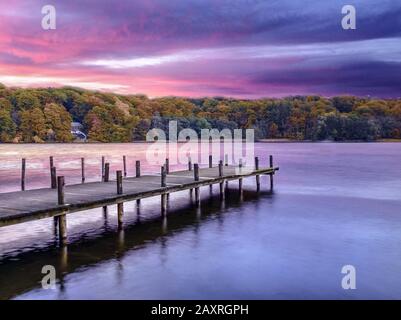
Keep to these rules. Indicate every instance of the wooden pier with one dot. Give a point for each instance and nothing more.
(59, 200)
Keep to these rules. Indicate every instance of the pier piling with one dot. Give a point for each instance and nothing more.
(271, 174)
(53, 177)
(222, 182)
(120, 205)
(83, 170)
(163, 172)
(125, 166)
(106, 174)
(137, 168)
(196, 178)
(257, 176)
(61, 219)
(240, 179)
(23, 166)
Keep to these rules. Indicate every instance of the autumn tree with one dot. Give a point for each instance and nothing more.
(33, 125)
(58, 123)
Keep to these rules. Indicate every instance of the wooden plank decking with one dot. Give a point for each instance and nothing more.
(22, 206)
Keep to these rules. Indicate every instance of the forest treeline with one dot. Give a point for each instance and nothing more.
(45, 115)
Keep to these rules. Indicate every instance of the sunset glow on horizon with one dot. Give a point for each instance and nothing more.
(242, 49)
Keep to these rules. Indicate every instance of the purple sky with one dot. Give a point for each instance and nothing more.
(246, 49)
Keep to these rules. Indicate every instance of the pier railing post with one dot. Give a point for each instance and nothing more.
(106, 174)
(120, 205)
(53, 177)
(167, 166)
(163, 183)
(226, 159)
(240, 179)
(83, 170)
(137, 168)
(119, 180)
(210, 161)
(51, 163)
(23, 167)
(138, 174)
(103, 168)
(257, 176)
(189, 164)
(125, 165)
(61, 219)
(221, 175)
(196, 178)
(60, 190)
(272, 173)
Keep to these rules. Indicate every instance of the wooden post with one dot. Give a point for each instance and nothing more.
(240, 179)
(196, 178)
(23, 166)
(196, 172)
(167, 166)
(83, 170)
(103, 168)
(125, 165)
(119, 180)
(61, 219)
(271, 174)
(137, 168)
(60, 190)
(221, 175)
(163, 176)
(226, 159)
(138, 174)
(106, 173)
(189, 164)
(53, 177)
(120, 206)
(163, 184)
(210, 161)
(257, 177)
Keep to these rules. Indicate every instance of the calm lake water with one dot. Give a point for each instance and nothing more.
(333, 205)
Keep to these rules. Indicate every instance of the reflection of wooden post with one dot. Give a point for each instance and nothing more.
(272, 173)
(106, 173)
(53, 171)
(62, 219)
(120, 206)
(257, 176)
(23, 166)
(125, 165)
(83, 170)
(196, 178)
